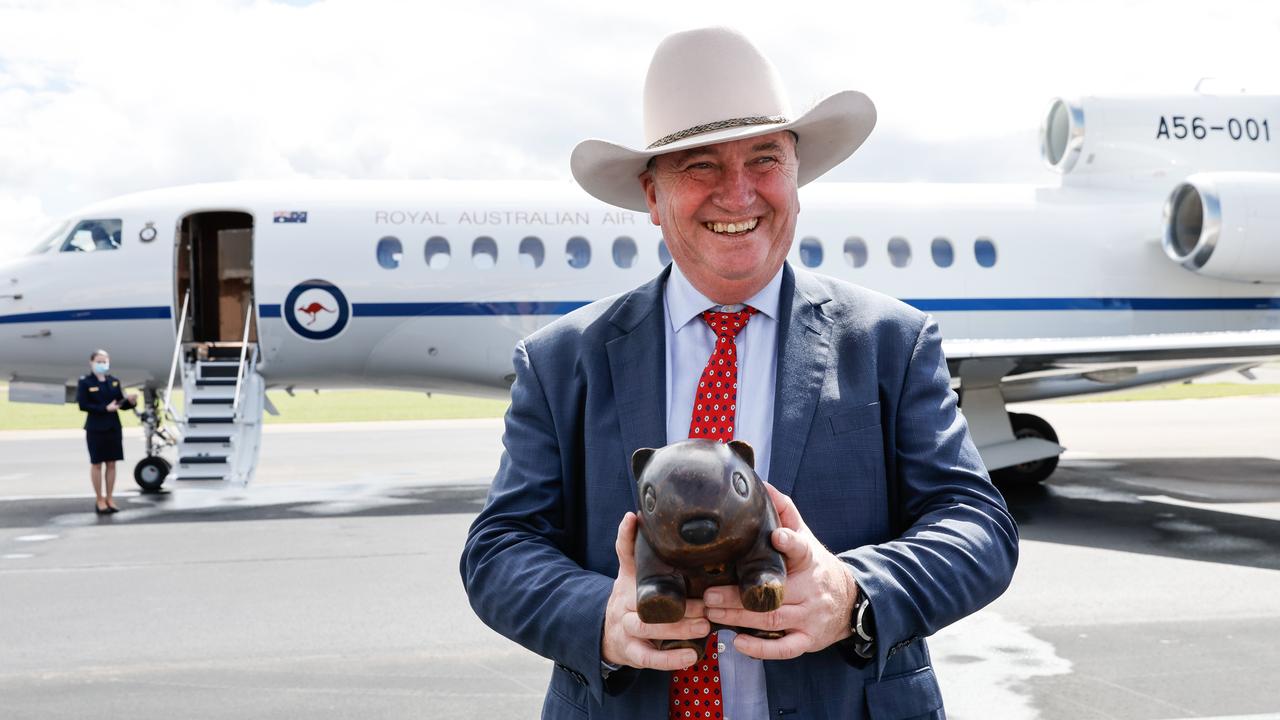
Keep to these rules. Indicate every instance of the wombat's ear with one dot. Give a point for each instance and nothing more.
(639, 459)
(744, 451)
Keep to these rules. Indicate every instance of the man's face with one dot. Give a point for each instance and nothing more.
(727, 211)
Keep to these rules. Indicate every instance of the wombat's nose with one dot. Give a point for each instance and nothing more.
(699, 531)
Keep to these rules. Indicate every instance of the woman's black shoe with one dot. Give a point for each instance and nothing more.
(102, 511)
(112, 509)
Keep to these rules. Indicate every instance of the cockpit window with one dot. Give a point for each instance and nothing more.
(52, 237)
(93, 235)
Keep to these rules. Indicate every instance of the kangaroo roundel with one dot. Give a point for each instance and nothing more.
(316, 310)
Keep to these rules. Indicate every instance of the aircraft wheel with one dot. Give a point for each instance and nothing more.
(1026, 425)
(150, 473)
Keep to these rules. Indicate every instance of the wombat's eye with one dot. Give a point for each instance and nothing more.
(740, 483)
(650, 499)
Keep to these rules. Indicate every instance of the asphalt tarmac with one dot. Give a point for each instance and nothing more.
(1147, 587)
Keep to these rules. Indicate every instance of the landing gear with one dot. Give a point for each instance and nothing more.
(1025, 474)
(151, 471)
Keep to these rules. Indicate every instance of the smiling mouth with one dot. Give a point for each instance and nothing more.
(732, 228)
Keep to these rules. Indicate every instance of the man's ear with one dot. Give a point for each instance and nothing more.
(744, 451)
(650, 186)
(639, 459)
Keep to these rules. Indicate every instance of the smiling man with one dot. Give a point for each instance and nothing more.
(891, 528)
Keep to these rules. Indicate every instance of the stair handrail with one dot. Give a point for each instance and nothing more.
(177, 353)
(244, 348)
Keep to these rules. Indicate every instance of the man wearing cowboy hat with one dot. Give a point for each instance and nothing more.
(891, 528)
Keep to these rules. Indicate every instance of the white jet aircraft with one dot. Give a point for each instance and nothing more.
(1041, 291)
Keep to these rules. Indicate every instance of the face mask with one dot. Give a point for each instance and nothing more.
(101, 368)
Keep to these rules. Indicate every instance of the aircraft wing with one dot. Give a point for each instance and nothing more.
(1039, 354)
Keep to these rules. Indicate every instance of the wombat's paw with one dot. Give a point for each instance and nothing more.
(764, 595)
(658, 605)
(699, 646)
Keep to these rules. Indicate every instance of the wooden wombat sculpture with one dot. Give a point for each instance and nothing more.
(705, 520)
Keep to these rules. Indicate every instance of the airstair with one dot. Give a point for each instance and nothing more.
(220, 425)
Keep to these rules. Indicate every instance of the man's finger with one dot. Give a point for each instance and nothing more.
(625, 545)
(796, 550)
(644, 655)
(784, 618)
(793, 645)
(723, 596)
(679, 630)
(694, 608)
(788, 515)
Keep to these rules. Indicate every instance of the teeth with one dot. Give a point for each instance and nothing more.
(743, 226)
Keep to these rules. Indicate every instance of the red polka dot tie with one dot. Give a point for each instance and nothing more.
(716, 401)
(695, 691)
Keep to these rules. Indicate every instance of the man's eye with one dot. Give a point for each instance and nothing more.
(766, 160)
(699, 166)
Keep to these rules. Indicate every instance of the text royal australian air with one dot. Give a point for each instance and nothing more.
(503, 217)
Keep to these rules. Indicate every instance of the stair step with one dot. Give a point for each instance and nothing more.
(203, 460)
(207, 370)
(212, 400)
(199, 477)
(225, 351)
(208, 439)
(205, 420)
(201, 382)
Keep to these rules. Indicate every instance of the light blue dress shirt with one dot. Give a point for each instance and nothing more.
(689, 344)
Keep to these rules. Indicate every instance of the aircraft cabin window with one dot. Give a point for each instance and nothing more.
(943, 254)
(811, 252)
(984, 251)
(578, 252)
(484, 252)
(624, 252)
(389, 252)
(664, 255)
(93, 235)
(437, 253)
(855, 252)
(532, 253)
(899, 252)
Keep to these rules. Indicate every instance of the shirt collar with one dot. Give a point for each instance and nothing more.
(685, 302)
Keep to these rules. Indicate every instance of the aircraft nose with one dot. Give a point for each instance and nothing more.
(699, 531)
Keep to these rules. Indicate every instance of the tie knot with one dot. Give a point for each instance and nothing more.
(727, 324)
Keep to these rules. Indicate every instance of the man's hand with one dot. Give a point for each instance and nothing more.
(626, 638)
(113, 405)
(817, 603)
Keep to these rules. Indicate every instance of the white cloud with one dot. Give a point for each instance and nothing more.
(97, 99)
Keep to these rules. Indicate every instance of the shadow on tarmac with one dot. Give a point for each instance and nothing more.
(1115, 505)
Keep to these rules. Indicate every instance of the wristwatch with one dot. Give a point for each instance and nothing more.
(863, 624)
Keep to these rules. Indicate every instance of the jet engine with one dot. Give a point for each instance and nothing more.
(1094, 139)
(1226, 225)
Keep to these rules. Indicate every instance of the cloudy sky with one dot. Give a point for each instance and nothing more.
(101, 98)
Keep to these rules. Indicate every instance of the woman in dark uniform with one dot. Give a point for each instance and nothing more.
(100, 395)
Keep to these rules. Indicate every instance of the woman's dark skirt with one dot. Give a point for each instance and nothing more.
(104, 445)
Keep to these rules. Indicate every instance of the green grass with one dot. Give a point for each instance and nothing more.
(304, 407)
(369, 405)
(1194, 391)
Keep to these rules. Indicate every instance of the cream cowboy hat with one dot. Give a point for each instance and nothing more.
(712, 85)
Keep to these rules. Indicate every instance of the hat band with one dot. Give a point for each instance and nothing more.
(718, 125)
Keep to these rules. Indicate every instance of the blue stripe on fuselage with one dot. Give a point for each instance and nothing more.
(126, 313)
(560, 307)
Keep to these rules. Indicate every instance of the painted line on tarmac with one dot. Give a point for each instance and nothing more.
(1263, 716)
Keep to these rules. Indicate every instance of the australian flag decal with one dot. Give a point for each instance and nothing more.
(290, 216)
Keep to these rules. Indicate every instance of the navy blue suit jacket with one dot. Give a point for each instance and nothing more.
(94, 397)
(867, 441)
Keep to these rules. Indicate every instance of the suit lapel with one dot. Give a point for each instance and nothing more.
(638, 368)
(804, 341)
